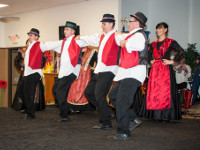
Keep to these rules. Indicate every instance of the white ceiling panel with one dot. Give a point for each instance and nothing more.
(22, 6)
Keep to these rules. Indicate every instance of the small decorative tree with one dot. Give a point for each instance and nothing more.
(191, 55)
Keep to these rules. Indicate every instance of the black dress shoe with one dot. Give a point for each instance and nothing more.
(134, 124)
(26, 117)
(121, 136)
(63, 119)
(72, 111)
(102, 127)
(23, 111)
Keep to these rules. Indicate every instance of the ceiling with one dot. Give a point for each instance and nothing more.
(21, 6)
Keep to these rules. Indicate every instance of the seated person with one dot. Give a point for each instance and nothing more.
(183, 73)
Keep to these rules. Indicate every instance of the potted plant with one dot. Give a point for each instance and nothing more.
(191, 55)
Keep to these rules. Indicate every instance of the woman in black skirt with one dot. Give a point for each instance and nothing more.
(161, 101)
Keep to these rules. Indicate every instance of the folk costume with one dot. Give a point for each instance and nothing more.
(131, 74)
(76, 97)
(70, 60)
(161, 99)
(76, 94)
(39, 102)
(32, 74)
(105, 70)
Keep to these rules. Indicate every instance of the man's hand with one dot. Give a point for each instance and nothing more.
(23, 54)
(122, 43)
(22, 68)
(77, 37)
(117, 32)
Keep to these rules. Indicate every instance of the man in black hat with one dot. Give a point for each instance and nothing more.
(70, 53)
(106, 68)
(131, 74)
(32, 72)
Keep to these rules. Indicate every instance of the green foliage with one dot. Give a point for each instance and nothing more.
(191, 55)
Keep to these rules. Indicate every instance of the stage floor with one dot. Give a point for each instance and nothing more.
(44, 133)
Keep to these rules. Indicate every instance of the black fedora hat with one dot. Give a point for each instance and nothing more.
(71, 25)
(108, 18)
(34, 31)
(140, 17)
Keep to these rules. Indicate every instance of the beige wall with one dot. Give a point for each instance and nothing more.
(87, 14)
(4, 74)
(2, 34)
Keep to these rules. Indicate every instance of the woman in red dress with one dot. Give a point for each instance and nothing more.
(76, 96)
(161, 100)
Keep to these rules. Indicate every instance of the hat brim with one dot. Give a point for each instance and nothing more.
(33, 33)
(107, 20)
(138, 20)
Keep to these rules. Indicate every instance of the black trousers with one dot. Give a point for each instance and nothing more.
(28, 92)
(96, 92)
(122, 97)
(182, 85)
(60, 91)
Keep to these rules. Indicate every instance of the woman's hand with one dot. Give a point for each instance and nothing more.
(168, 62)
(152, 62)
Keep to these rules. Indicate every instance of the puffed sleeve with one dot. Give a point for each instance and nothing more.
(177, 48)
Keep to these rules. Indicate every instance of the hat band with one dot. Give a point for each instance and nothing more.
(139, 19)
(109, 18)
(70, 25)
(33, 32)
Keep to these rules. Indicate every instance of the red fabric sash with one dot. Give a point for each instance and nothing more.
(110, 51)
(73, 50)
(158, 92)
(35, 56)
(128, 60)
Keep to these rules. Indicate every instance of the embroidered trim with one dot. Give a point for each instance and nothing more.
(108, 18)
(89, 58)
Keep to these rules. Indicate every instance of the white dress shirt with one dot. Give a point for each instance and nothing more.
(94, 40)
(134, 43)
